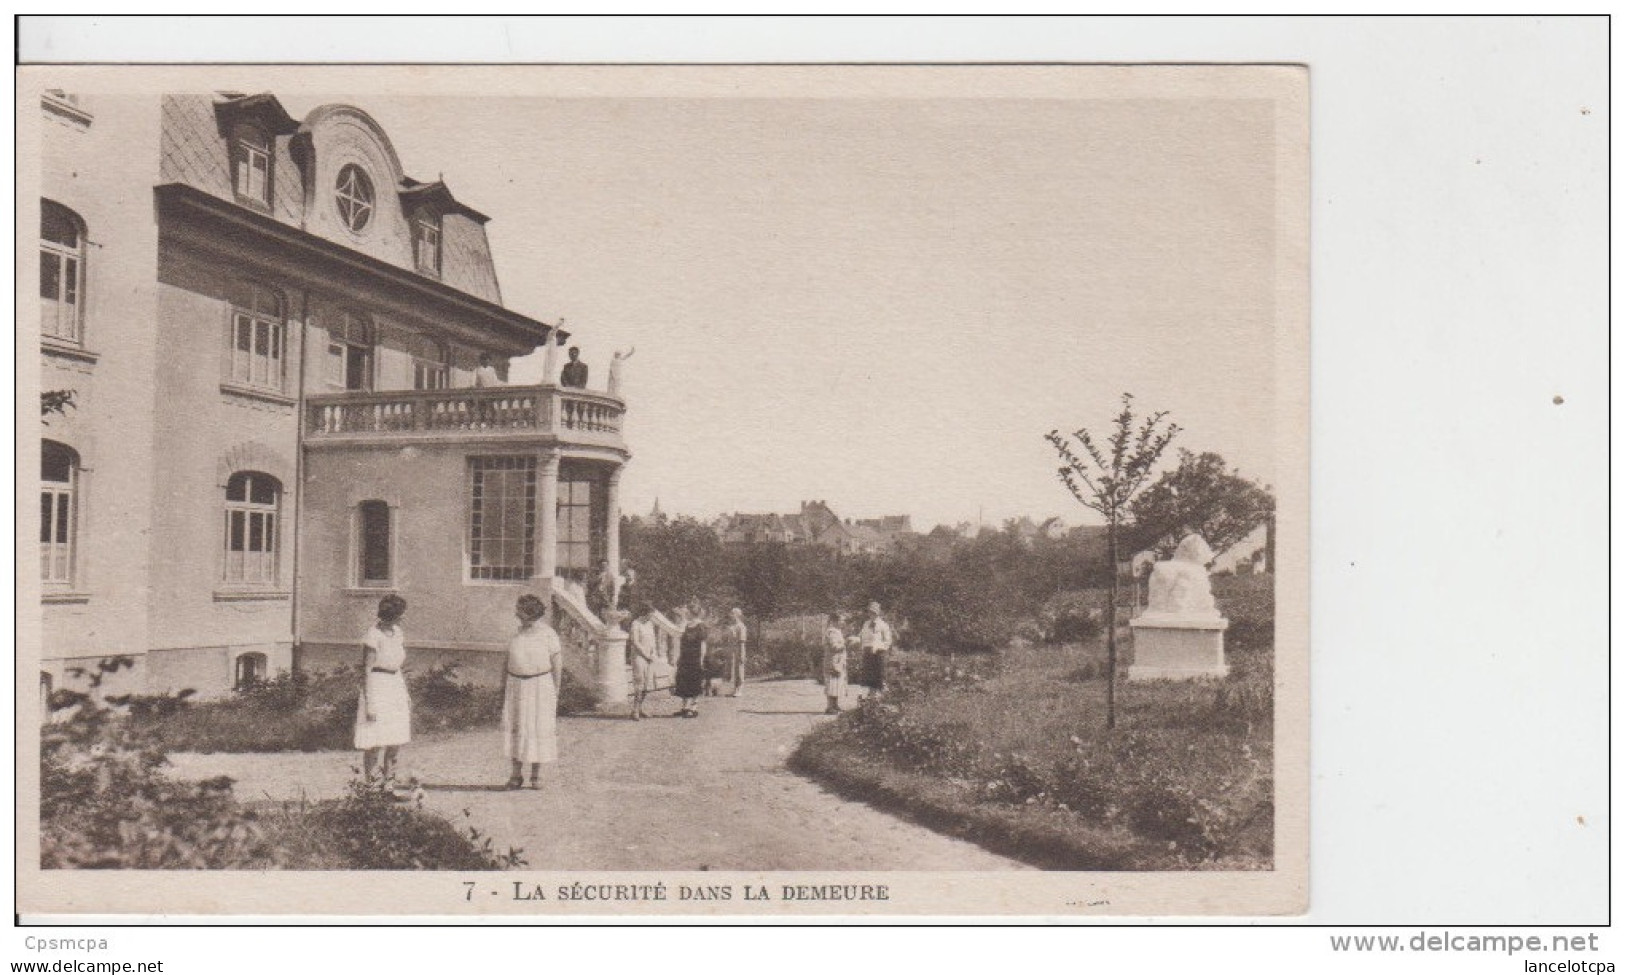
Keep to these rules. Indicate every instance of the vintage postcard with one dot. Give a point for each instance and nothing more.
(765, 492)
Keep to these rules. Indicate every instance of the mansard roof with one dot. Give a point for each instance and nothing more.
(436, 195)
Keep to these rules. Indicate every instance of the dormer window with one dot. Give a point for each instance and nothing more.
(354, 197)
(251, 165)
(426, 242)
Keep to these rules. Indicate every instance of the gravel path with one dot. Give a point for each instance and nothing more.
(662, 794)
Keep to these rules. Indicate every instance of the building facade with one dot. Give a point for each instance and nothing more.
(274, 339)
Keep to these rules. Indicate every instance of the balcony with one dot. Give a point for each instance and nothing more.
(544, 414)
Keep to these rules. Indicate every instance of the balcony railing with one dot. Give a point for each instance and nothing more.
(570, 414)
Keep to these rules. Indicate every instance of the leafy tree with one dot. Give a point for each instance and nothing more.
(1107, 482)
(760, 573)
(1202, 495)
(679, 560)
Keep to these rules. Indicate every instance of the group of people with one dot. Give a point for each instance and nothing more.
(383, 720)
(872, 643)
(534, 669)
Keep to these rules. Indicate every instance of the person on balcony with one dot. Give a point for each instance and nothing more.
(643, 645)
(690, 682)
(738, 636)
(531, 693)
(486, 374)
(574, 373)
(383, 717)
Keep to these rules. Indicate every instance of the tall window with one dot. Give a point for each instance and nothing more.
(353, 194)
(251, 165)
(349, 352)
(426, 242)
(252, 502)
(58, 512)
(373, 543)
(502, 518)
(257, 339)
(429, 363)
(61, 272)
(575, 527)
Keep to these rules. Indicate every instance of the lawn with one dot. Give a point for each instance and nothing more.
(1011, 750)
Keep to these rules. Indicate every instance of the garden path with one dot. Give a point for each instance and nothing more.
(662, 794)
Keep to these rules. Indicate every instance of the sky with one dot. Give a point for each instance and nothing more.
(880, 303)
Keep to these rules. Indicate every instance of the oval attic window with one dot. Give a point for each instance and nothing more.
(354, 197)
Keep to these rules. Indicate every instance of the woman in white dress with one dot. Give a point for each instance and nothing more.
(530, 699)
(383, 717)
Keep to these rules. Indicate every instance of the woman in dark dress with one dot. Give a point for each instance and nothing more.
(690, 681)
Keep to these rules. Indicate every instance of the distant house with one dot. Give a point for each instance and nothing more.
(814, 524)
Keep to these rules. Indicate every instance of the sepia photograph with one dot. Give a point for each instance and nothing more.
(756, 490)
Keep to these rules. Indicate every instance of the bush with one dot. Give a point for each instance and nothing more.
(440, 702)
(575, 697)
(105, 803)
(295, 711)
(371, 828)
(1248, 602)
(1072, 617)
(787, 656)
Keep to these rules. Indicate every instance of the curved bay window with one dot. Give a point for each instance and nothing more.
(59, 509)
(258, 337)
(349, 352)
(582, 509)
(252, 503)
(502, 518)
(251, 165)
(61, 272)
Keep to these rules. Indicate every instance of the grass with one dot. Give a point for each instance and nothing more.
(1011, 750)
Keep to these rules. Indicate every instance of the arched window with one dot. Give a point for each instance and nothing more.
(59, 513)
(258, 336)
(61, 272)
(253, 500)
(349, 352)
(249, 670)
(251, 164)
(426, 241)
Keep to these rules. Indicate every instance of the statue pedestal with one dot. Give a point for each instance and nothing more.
(1168, 647)
(612, 683)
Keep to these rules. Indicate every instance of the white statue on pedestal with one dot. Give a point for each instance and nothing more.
(1180, 586)
(615, 369)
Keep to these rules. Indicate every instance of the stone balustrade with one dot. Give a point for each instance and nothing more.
(476, 413)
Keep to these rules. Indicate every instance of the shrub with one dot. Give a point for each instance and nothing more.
(106, 803)
(575, 696)
(1248, 602)
(787, 656)
(1072, 617)
(440, 702)
(370, 828)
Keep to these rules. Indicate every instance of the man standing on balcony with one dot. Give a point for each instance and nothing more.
(574, 373)
(486, 374)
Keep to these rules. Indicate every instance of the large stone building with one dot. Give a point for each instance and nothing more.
(271, 333)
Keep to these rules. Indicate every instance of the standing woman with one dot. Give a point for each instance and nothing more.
(691, 680)
(738, 636)
(383, 717)
(834, 662)
(530, 699)
(643, 646)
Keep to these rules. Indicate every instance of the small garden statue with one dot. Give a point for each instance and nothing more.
(1180, 585)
